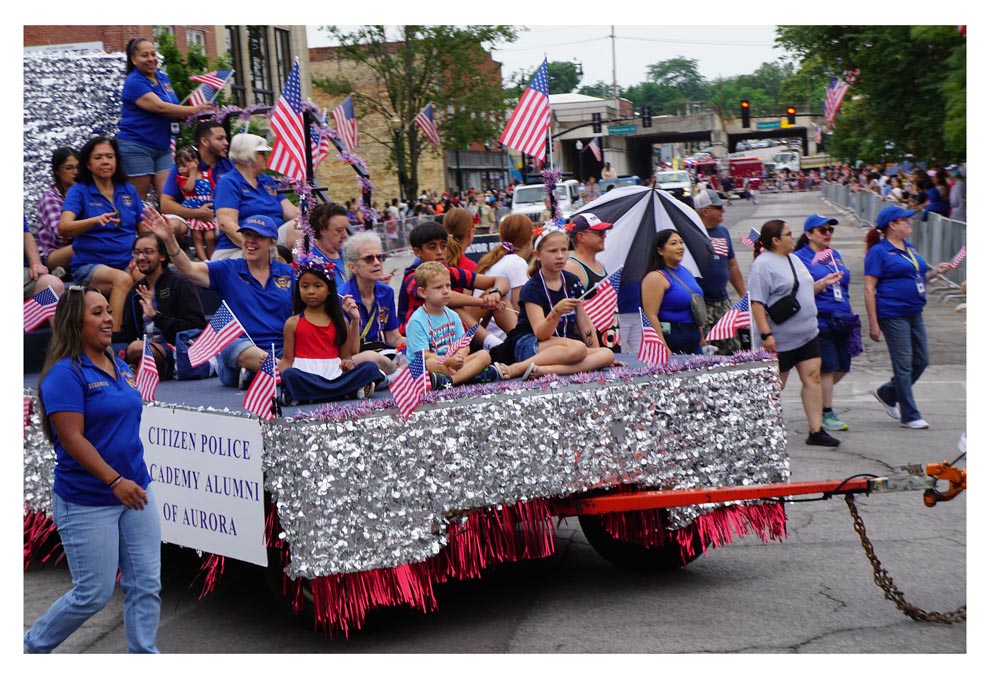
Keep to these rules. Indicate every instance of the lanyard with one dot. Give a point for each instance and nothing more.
(563, 287)
(374, 314)
(910, 257)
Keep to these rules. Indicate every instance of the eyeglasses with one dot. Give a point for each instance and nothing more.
(147, 252)
(370, 259)
(826, 229)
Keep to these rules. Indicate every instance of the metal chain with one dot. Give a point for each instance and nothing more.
(883, 580)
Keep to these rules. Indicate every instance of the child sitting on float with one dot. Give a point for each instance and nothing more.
(554, 330)
(434, 328)
(316, 361)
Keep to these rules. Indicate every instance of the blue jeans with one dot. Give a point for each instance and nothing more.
(98, 541)
(907, 343)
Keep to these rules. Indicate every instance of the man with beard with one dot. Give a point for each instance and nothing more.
(211, 142)
(160, 305)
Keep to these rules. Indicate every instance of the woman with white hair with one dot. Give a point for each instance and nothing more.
(375, 300)
(248, 192)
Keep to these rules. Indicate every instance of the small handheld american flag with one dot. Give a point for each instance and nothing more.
(735, 318)
(652, 350)
(259, 396)
(750, 239)
(601, 307)
(212, 83)
(222, 329)
(39, 308)
(960, 256)
(410, 384)
(147, 377)
(461, 342)
(288, 155)
(343, 118)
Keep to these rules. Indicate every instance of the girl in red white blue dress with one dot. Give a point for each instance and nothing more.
(197, 192)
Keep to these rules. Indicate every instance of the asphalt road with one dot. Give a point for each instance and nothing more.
(812, 593)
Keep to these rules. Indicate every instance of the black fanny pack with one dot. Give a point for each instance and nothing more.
(787, 306)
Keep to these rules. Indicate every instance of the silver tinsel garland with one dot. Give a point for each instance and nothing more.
(378, 491)
(68, 98)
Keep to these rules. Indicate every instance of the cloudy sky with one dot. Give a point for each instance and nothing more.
(719, 50)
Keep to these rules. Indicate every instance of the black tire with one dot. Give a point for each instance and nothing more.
(634, 556)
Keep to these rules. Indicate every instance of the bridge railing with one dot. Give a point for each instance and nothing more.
(937, 238)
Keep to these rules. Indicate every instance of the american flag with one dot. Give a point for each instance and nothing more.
(595, 149)
(960, 256)
(748, 240)
(652, 350)
(222, 329)
(410, 384)
(834, 94)
(147, 378)
(27, 412)
(527, 128)
(258, 397)
(601, 307)
(212, 83)
(343, 118)
(825, 256)
(39, 308)
(721, 246)
(319, 144)
(289, 151)
(424, 119)
(732, 320)
(461, 342)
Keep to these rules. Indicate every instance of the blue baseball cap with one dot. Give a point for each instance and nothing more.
(890, 213)
(814, 221)
(262, 225)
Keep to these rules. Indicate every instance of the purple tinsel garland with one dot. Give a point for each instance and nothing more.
(550, 179)
(351, 410)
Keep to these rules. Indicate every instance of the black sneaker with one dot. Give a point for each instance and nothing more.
(821, 438)
(440, 381)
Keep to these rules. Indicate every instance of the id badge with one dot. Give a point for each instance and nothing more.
(921, 286)
(837, 293)
(174, 129)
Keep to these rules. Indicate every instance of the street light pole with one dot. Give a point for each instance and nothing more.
(396, 126)
(580, 149)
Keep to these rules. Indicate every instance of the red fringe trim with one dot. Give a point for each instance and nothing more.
(648, 527)
(38, 529)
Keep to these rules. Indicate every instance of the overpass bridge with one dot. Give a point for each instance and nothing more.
(629, 146)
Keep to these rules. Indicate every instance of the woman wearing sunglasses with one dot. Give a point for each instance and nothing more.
(375, 300)
(836, 320)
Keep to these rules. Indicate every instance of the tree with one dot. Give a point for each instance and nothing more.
(418, 65)
(681, 74)
(563, 76)
(904, 101)
(600, 89)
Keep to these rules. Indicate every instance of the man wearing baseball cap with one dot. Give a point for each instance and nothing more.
(724, 268)
(587, 234)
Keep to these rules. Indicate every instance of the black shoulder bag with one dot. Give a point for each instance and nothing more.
(787, 306)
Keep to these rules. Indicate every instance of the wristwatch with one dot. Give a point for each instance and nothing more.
(764, 335)
(493, 290)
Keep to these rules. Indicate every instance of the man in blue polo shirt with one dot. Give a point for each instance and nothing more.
(257, 289)
(723, 269)
(212, 144)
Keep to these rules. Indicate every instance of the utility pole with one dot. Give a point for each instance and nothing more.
(615, 87)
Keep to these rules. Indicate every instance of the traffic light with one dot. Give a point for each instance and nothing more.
(791, 114)
(647, 116)
(744, 110)
(596, 122)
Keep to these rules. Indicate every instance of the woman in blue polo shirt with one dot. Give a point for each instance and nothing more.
(100, 214)
(835, 317)
(149, 115)
(894, 290)
(247, 192)
(101, 502)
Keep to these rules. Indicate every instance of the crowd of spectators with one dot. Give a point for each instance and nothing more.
(940, 191)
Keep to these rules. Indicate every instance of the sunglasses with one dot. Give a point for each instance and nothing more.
(370, 259)
(826, 229)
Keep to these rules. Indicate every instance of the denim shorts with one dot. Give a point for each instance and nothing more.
(526, 347)
(82, 274)
(140, 160)
(227, 368)
(835, 352)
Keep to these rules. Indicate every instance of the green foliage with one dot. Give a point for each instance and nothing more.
(418, 65)
(910, 93)
(600, 89)
(563, 77)
(179, 67)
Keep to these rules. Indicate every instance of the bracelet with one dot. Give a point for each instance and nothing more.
(176, 254)
(113, 484)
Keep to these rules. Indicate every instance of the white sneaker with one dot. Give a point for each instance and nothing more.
(915, 424)
(894, 411)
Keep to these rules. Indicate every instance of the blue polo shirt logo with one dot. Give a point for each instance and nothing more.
(283, 282)
(271, 189)
(127, 201)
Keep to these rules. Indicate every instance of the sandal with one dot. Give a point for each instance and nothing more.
(529, 371)
(502, 369)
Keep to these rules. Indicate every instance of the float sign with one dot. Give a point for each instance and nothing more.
(207, 480)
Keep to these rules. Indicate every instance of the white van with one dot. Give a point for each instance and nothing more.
(527, 199)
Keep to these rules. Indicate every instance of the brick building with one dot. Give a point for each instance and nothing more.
(114, 38)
